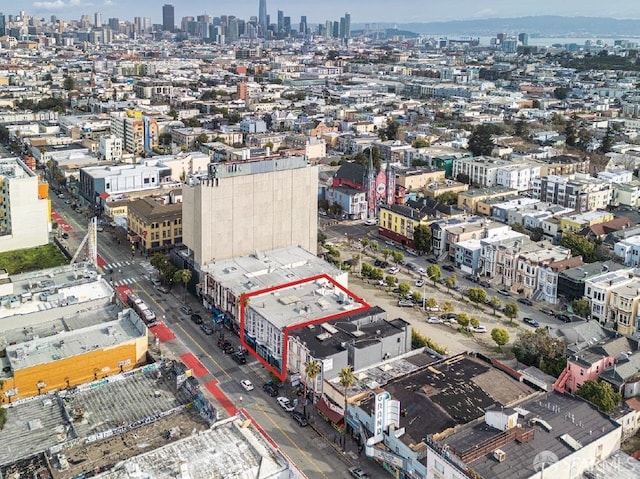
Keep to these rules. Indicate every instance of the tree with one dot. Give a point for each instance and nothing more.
(495, 303)
(192, 123)
(521, 128)
(537, 348)
(201, 139)
(447, 307)
(475, 322)
(404, 288)
(183, 276)
(312, 370)
(433, 271)
(599, 393)
(366, 270)
(386, 252)
(450, 281)
(364, 242)
(480, 141)
(579, 246)
(431, 302)
(571, 131)
(477, 295)
(347, 379)
(500, 337)
(390, 280)
(581, 307)
(420, 143)
(511, 311)
(397, 257)
(69, 83)
(463, 320)
(422, 238)
(561, 93)
(607, 141)
(448, 198)
(417, 297)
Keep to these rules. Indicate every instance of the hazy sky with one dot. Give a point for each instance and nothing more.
(401, 11)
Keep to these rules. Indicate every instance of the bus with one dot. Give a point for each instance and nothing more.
(141, 309)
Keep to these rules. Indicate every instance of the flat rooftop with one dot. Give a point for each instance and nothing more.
(306, 301)
(565, 414)
(68, 343)
(450, 392)
(226, 450)
(267, 269)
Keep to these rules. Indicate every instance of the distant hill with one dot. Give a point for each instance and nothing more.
(548, 25)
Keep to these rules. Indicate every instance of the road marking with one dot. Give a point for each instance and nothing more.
(286, 435)
(204, 351)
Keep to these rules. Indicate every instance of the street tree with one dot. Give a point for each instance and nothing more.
(417, 297)
(495, 303)
(500, 337)
(183, 276)
(404, 288)
(386, 252)
(599, 393)
(366, 270)
(521, 128)
(477, 295)
(450, 281)
(511, 311)
(364, 242)
(377, 274)
(475, 322)
(447, 307)
(581, 307)
(312, 370)
(347, 380)
(390, 280)
(433, 271)
(431, 302)
(397, 257)
(463, 320)
(422, 238)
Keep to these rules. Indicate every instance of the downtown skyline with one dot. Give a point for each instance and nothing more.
(361, 12)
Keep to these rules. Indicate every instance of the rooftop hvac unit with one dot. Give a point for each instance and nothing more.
(499, 455)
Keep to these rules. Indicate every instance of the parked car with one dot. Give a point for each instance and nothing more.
(239, 358)
(285, 403)
(525, 301)
(207, 328)
(196, 318)
(531, 322)
(393, 270)
(548, 311)
(422, 271)
(432, 260)
(448, 267)
(564, 318)
(156, 282)
(162, 289)
(358, 473)
(270, 389)
(186, 309)
(247, 385)
(450, 316)
(484, 284)
(223, 343)
(419, 283)
(478, 329)
(504, 292)
(299, 418)
(434, 320)
(472, 278)
(405, 303)
(371, 222)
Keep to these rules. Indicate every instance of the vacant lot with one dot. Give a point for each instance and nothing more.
(25, 260)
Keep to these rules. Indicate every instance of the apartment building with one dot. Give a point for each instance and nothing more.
(626, 194)
(598, 289)
(530, 264)
(548, 279)
(110, 148)
(416, 179)
(518, 176)
(468, 200)
(498, 255)
(24, 207)
(153, 89)
(155, 224)
(481, 170)
(187, 137)
(623, 306)
(446, 234)
(628, 250)
(353, 202)
(580, 192)
(575, 223)
(237, 209)
(137, 132)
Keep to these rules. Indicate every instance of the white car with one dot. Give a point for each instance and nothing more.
(478, 329)
(246, 384)
(393, 270)
(419, 283)
(422, 271)
(285, 403)
(435, 320)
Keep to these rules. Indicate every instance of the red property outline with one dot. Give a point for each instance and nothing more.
(282, 375)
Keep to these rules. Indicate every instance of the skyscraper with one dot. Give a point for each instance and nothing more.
(168, 18)
(97, 19)
(262, 17)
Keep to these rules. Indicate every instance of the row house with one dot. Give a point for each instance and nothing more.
(446, 234)
(564, 165)
(352, 201)
(548, 279)
(529, 266)
(499, 254)
(626, 194)
(598, 290)
(579, 192)
(628, 250)
(466, 256)
(579, 222)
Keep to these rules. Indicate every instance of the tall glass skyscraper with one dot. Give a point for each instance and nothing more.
(262, 16)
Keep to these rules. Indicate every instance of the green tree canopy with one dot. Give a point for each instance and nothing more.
(448, 198)
(477, 295)
(599, 393)
(463, 320)
(538, 348)
(581, 307)
(422, 238)
(480, 141)
(404, 288)
(500, 336)
(579, 246)
(511, 311)
(495, 303)
(450, 281)
(433, 271)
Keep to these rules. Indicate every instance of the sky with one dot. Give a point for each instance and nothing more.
(362, 11)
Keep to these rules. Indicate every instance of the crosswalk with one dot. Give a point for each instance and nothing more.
(118, 265)
(126, 281)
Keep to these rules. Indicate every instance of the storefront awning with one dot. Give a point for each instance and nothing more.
(330, 414)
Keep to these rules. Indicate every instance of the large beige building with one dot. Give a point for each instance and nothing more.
(24, 207)
(242, 208)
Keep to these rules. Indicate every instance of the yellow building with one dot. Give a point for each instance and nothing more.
(155, 225)
(69, 358)
(419, 178)
(398, 222)
(116, 208)
(576, 223)
(468, 200)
